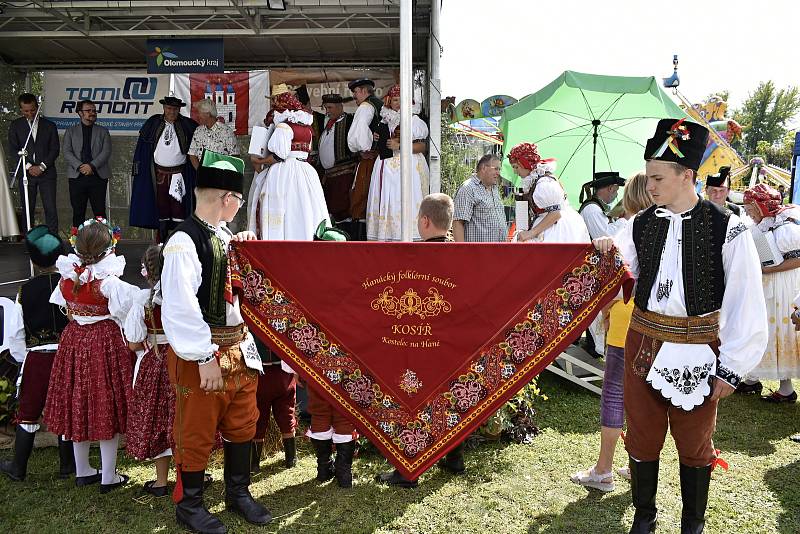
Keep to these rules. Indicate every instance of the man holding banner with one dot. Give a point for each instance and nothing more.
(163, 176)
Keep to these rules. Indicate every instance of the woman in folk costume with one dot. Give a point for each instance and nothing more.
(152, 405)
(781, 282)
(291, 202)
(555, 220)
(90, 384)
(383, 203)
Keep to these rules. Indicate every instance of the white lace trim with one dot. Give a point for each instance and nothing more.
(682, 373)
(391, 118)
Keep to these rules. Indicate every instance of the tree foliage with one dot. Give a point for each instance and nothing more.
(12, 84)
(764, 115)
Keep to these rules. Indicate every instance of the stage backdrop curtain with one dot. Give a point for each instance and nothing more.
(420, 343)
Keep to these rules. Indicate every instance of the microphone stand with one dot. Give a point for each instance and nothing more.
(23, 153)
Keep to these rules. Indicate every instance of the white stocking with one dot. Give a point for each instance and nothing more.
(80, 449)
(108, 456)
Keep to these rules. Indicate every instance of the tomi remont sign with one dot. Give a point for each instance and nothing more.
(177, 56)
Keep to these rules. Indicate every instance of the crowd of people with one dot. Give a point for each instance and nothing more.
(707, 317)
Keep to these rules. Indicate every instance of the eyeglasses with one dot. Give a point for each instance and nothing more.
(241, 200)
(92, 110)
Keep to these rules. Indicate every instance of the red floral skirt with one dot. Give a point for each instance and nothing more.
(152, 407)
(90, 383)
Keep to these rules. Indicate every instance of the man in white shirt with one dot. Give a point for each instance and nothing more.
(360, 139)
(213, 362)
(698, 327)
(337, 160)
(602, 191)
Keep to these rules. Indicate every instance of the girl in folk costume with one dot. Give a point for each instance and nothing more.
(152, 405)
(91, 379)
(555, 220)
(291, 202)
(781, 360)
(383, 203)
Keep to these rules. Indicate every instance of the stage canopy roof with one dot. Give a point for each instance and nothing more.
(38, 34)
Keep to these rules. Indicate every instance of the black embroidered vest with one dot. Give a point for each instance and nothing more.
(341, 150)
(214, 263)
(734, 208)
(384, 152)
(377, 104)
(43, 321)
(702, 239)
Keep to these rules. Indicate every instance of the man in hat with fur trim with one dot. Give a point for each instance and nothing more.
(698, 327)
(360, 139)
(34, 327)
(718, 186)
(163, 175)
(213, 362)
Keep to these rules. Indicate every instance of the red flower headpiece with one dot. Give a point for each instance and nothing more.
(286, 101)
(768, 201)
(526, 154)
(393, 91)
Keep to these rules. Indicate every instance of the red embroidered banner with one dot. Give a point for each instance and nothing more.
(420, 343)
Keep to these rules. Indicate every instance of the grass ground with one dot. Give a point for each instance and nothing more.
(508, 488)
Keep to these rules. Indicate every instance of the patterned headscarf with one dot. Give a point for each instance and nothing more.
(526, 154)
(286, 101)
(768, 201)
(393, 92)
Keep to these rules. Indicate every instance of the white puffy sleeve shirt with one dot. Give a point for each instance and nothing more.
(548, 194)
(186, 330)
(596, 221)
(743, 314)
(359, 136)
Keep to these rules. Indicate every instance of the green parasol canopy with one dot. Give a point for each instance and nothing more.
(588, 122)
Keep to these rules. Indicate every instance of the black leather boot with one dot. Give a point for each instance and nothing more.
(694, 493)
(237, 484)
(324, 449)
(191, 512)
(343, 465)
(66, 458)
(454, 461)
(394, 478)
(17, 468)
(255, 457)
(644, 484)
(289, 452)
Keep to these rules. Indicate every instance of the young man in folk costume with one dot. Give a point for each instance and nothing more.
(337, 161)
(163, 175)
(361, 140)
(213, 361)
(699, 324)
(34, 327)
(434, 220)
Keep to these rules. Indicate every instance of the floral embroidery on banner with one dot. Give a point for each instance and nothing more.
(411, 432)
(410, 383)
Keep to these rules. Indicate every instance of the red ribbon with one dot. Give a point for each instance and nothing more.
(718, 461)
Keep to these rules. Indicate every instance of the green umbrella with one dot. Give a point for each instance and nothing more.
(589, 123)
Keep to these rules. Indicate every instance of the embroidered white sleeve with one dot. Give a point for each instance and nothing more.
(624, 242)
(186, 331)
(359, 136)
(135, 328)
(280, 142)
(596, 221)
(743, 316)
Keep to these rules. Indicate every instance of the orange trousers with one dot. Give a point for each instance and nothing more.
(360, 191)
(325, 416)
(199, 414)
(649, 415)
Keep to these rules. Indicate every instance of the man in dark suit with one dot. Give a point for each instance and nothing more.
(87, 150)
(41, 160)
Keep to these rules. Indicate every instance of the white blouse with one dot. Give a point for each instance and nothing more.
(743, 316)
(548, 195)
(120, 294)
(135, 326)
(188, 334)
(786, 229)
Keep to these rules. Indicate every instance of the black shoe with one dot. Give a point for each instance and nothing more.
(289, 452)
(66, 458)
(324, 449)
(454, 461)
(237, 484)
(777, 398)
(155, 491)
(88, 480)
(255, 457)
(17, 468)
(191, 512)
(749, 389)
(644, 484)
(123, 479)
(694, 494)
(394, 478)
(343, 465)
